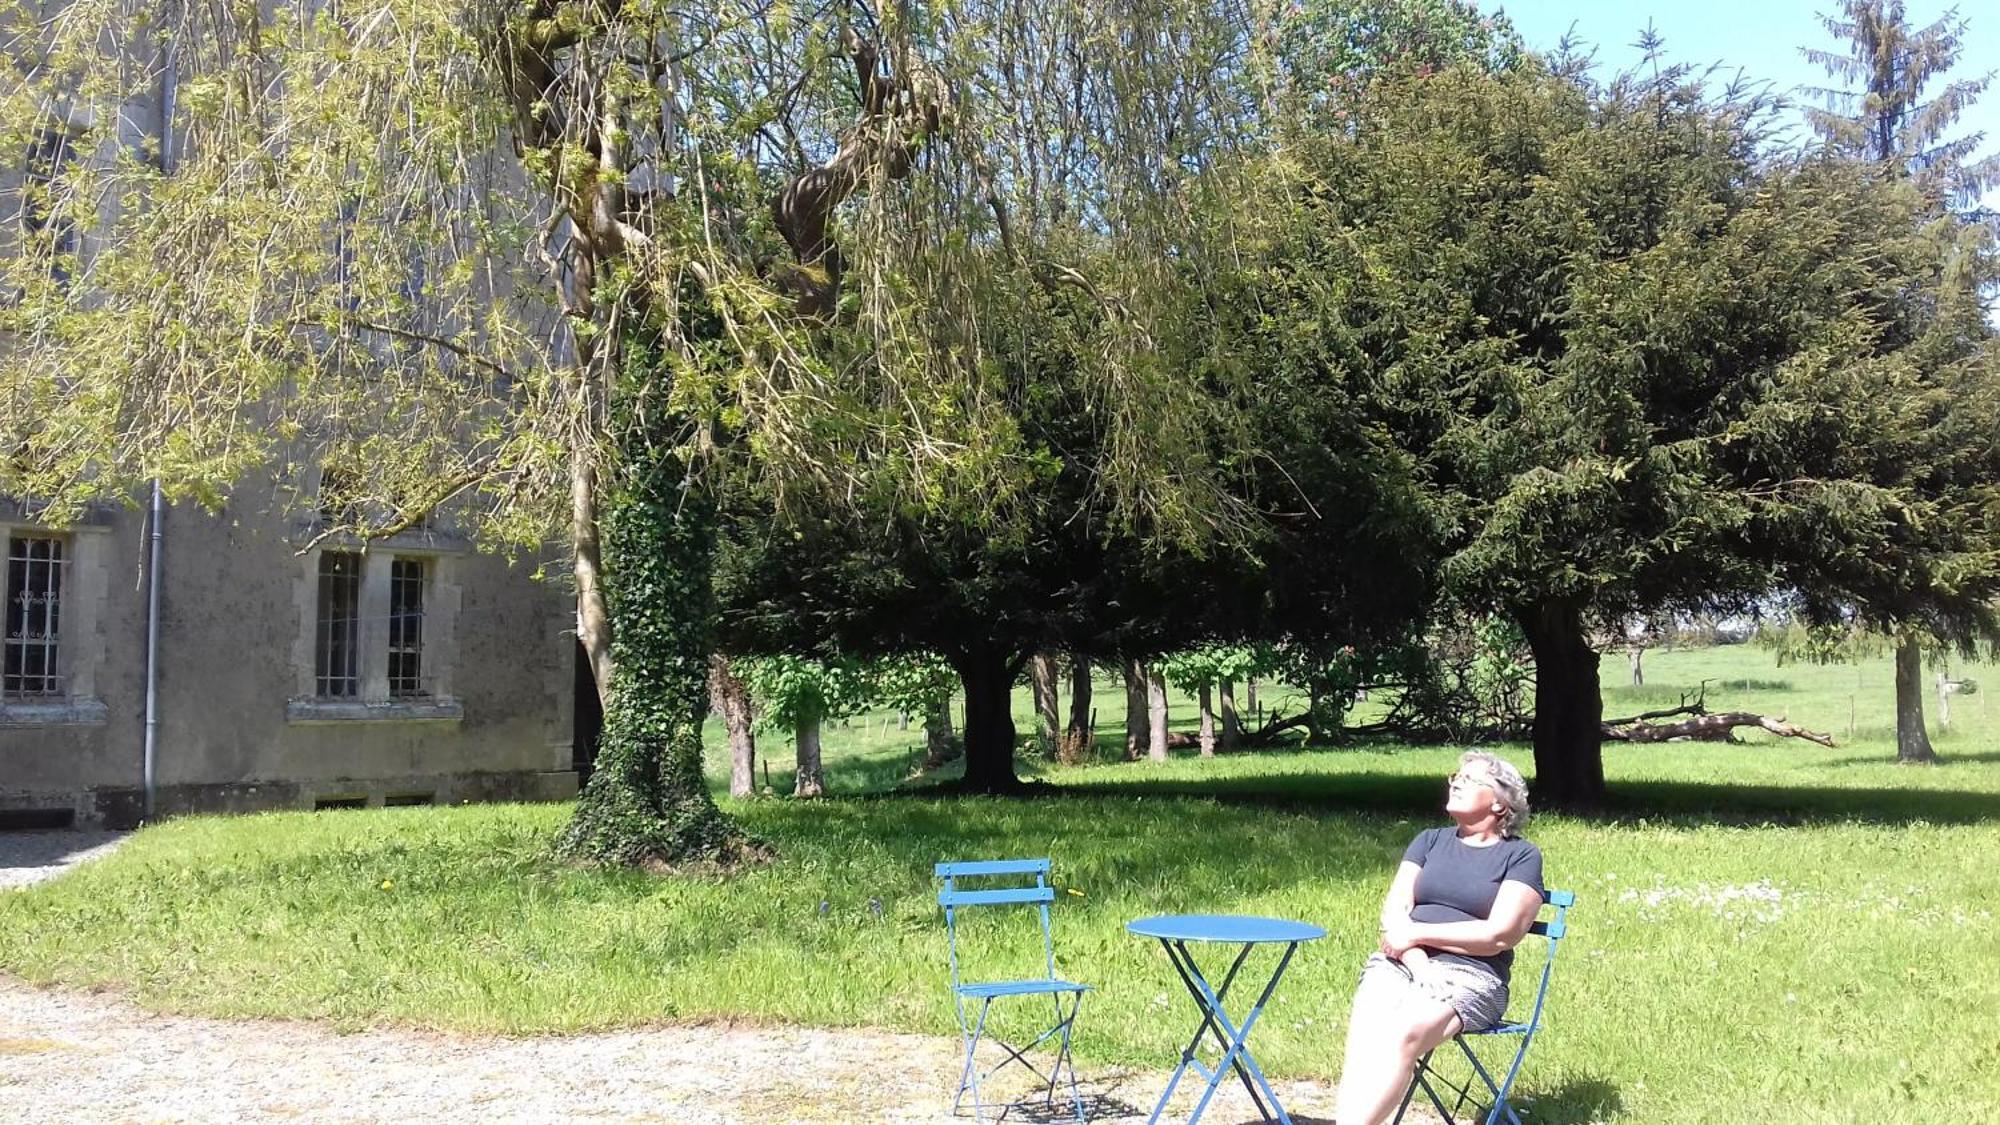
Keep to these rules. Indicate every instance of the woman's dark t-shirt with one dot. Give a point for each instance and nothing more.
(1459, 882)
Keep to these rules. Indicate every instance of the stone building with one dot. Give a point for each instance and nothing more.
(285, 672)
(286, 675)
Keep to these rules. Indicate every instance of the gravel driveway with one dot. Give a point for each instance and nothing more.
(68, 1056)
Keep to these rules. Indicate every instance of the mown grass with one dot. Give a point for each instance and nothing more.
(1773, 931)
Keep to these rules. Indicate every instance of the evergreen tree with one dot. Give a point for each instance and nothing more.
(1895, 110)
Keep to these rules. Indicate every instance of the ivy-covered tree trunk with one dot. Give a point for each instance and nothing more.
(1135, 710)
(1913, 742)
(988, 675)
(647, 801)
(1569, 708)
(1232, 723)
(811, 779)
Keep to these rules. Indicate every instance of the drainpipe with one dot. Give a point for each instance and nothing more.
(152, 645)
(169, 80)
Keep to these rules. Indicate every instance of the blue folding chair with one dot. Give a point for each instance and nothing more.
(955, 897)
(1465, 1093)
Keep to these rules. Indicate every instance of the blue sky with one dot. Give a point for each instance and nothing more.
(1760, 37)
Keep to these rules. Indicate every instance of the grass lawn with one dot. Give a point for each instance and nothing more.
(1773, 931)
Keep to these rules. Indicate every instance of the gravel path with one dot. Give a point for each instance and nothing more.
(67, 1056)
(29, 857)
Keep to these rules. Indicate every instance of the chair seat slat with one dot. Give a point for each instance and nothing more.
(984, 989)
(999, 897)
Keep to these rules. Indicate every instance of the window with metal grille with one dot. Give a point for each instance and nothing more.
(337, 643)
(406, 627)
(34, 617)
(49, 156)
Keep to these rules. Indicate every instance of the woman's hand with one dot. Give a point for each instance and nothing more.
(1399, 936)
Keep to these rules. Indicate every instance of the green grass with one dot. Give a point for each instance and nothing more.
(1768, 931)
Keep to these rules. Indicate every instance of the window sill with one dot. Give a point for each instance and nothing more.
(54, 713)
(388, 710)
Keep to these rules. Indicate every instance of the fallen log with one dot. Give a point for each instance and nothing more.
(1267, 735)
(1711, 728)
(1262, 738)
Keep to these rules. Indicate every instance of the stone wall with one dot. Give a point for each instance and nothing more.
(239, 725)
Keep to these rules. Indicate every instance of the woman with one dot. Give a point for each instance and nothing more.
(1462, 899)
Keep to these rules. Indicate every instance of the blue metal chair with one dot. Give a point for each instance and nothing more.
(1498, 1108)
(953, 898)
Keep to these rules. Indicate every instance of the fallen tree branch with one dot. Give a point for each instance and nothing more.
(1697, 706)
(1664, 713)
(1267, 735)
(1711, 728)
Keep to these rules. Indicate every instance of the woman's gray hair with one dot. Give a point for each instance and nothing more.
(1508, 784)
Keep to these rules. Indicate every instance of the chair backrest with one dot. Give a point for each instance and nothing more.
(955, 897)
(1553, 929)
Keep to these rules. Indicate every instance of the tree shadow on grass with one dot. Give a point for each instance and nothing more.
(1671, 802)
(1946, 759)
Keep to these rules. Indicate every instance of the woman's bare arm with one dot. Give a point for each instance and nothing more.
(1514, 909)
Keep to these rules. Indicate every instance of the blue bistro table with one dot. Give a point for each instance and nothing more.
(1176, 932)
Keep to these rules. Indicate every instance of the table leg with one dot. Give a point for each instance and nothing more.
(1190, 974)
(1234, 1040)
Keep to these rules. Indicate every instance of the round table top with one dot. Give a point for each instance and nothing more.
(1245, 928)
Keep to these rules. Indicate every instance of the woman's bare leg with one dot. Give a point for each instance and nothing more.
(1388, 1031)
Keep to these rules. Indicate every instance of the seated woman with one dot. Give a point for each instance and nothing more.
(1462, 899)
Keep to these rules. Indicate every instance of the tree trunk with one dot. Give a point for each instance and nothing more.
(1232, 723)
(1076, 739)
(593, 618)
(1135, 710)
(1156, 715)
(988, 675)
(1317, 731)
(1569, 709)
(1638, 656)
(1042, 678)
(1207, 738)
(811, 775)
(647, 801)
(1913, 742)
(1250, 696)
(731, 699)
(940, 741)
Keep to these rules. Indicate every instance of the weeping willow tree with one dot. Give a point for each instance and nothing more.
(554, 269)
